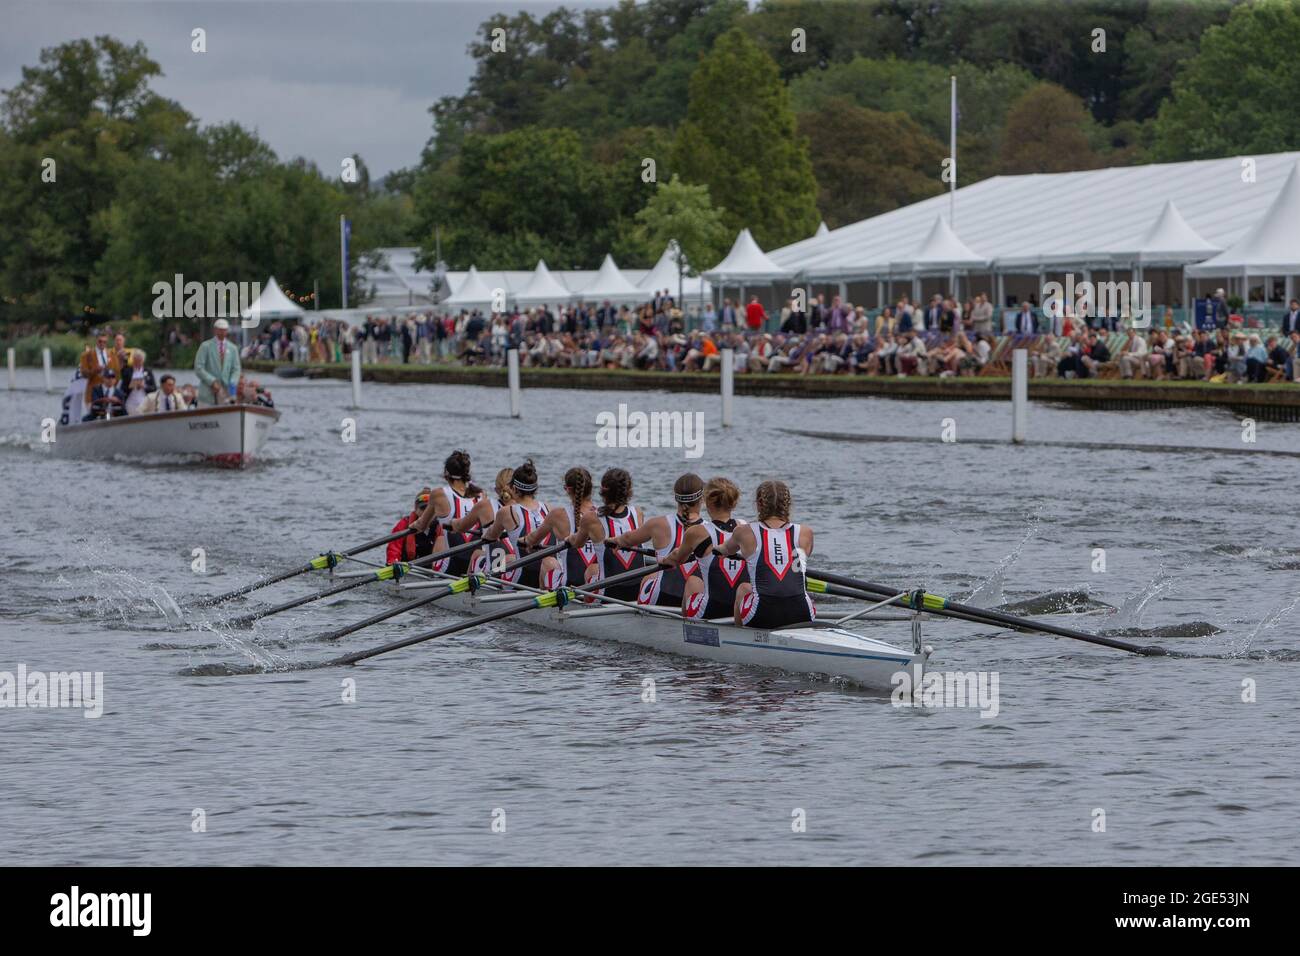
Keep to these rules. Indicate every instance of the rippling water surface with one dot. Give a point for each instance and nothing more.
(551, 734)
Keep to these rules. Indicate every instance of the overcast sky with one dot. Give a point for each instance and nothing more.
(315, 79)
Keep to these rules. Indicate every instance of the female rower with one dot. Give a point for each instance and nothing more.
(571, 565)
(667, 588)
(483, 512)
(616, 515)
(509, 530)
(777, 553)
(452, 501)
(711, 593)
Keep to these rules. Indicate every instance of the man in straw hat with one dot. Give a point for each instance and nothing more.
(217, 364)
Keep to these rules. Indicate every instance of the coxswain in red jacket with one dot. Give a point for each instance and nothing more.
(414, 545)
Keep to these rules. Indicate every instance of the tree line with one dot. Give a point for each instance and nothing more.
(597, 130)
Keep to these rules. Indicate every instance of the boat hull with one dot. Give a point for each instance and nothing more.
(819, 649)
(230, 435)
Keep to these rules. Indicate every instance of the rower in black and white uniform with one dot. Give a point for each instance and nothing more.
(483, 513)
(667, 588)
(450, 503)
(570, 566)
(506, 538)
(711, 592)
(614, 517)
(776, 552)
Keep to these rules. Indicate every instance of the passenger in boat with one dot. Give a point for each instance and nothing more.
(166, 399)
(94, 362)
(217, 364)
(776, 552)
(191, 395)
(416, 544)
(616, 515)
(508, 533)
(137, 383)
(569, 566)
(711, 591)
(453, 500)
(667, 588)
(106, 399)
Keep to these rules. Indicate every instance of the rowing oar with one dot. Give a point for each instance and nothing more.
(935, 604)
(557, 598)
(458, 586)
(327, 560)
(330, 559)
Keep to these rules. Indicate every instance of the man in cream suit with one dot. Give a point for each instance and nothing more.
(217, 365)
(167, 398)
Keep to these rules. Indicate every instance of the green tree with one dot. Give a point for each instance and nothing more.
(510, 199)
(868, 162)
(86, 114)
(740, 139)
(1239, 93)
(682, 213)
(1048, 131)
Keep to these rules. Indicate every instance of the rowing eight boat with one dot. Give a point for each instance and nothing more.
(809, 648)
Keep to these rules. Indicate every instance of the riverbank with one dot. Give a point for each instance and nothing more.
(1277, 402)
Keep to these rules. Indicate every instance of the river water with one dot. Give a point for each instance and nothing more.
(1093, 757)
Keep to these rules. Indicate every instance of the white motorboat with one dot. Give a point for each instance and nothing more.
(231, 435)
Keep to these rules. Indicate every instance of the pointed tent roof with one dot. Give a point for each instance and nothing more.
(1271, 246)
(746, 262)
(940, 251)
(1169, 239)
(543, 288)
(664, 273)
(272, 304)
(821, 229)
(610, 284)
(471, 291)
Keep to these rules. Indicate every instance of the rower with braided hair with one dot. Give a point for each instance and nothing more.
(570, 567)
(711, 593)
(667, 588)
(776, 551)
(616, 515)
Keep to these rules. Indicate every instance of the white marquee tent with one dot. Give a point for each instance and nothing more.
(1271, 246)
(542, 289)
(610, 285)
(472, 292)
(746, 264)
(272, 304)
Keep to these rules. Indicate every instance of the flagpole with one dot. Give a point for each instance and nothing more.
(952, 147)
(343, 255)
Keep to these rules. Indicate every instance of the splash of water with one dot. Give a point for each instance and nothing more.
(1130, 613)
(989, 592)
(1271, 619)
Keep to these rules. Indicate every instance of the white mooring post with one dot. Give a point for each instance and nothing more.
(356, 378)
(1019, 394)
(13, 371)
(728, 384)
(512, 379)
(47, 361)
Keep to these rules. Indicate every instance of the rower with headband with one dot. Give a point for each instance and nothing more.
(666, 532)
(506, 537)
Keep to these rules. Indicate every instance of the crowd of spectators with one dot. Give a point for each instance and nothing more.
(944, 337)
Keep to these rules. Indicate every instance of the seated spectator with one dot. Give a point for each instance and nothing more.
(911, 352)
(106, 398)
(137, 383)
(1256, 360)
(166, 399)
(1279, 359)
